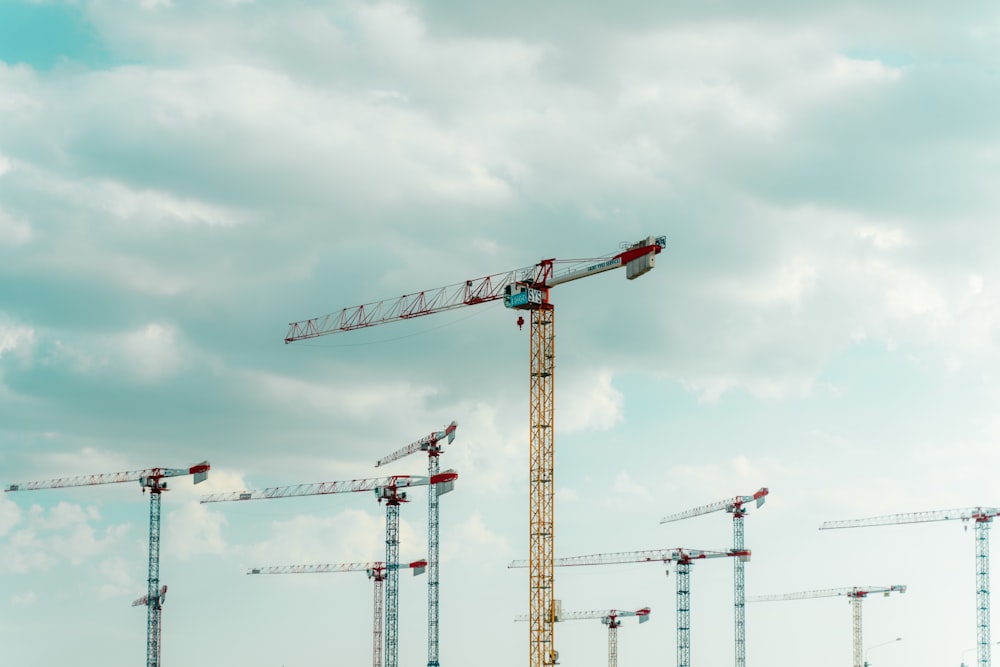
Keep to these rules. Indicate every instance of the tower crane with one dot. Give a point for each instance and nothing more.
(522, 289)
(610, 617)
(982, 517)
(376, 571)
(855, 594)
(388, 489)
(144, 602)
(737, 507)
(153, 480)
(683, 558)
(431, 445)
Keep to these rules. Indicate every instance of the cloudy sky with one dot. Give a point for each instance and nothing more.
(179, 179)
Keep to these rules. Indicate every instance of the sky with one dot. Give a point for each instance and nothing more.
(180, 179)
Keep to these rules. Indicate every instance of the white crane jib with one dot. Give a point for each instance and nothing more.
(376, 571)
(855, 594)
(683, 558)
(738, 508)
(154, 481)
(983, 517)
(527, 289)
(387, 489)
(432, 444)
(609, 617)
(736, 505)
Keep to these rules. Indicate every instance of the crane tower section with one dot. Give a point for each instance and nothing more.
(154, 481)
(983, 518)
(520, 289)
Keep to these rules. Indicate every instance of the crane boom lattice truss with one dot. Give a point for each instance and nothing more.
(982, 517)
(432, 445)
(151, 479)
(855, 594)
(738, 508)
(388, 490)
(376, 571)
(521, 289)
(610, 617)
(683, 558)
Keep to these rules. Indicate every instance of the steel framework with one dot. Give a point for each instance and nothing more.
(683, 558)
(522, 289)
(611, 618)
(387, 490)
(434, 447)
(376, 571)
(855, 594)
(737, 507)
(982, 517)
(152, 480)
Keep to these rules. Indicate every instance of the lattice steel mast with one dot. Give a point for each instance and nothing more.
(376, 571)
(153, 480)
(683, 558)
(387, 490)
(982, 517)
(611, 618)
(434, 447)
(737, 507)
(855, 594)
(521, 289)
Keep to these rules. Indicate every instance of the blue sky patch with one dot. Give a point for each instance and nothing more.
(42, 35)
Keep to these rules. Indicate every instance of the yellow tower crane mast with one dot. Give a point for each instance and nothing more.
(521, 289)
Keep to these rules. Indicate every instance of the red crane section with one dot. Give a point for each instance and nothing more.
(470, 292)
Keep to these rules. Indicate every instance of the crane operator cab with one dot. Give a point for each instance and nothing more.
(524, 296)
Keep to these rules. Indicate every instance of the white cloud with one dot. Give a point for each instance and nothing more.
(472, 541)
(65, 533)
(152, 353)
(24, 599)
(115, 578)
(363, 399)
(10, 515)
(883, 238)
(348, 536)
(591, 404)
(846, 70)
(628, 488)
(16, 338)
(715, 481)
(195, 530)
(14, 231)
